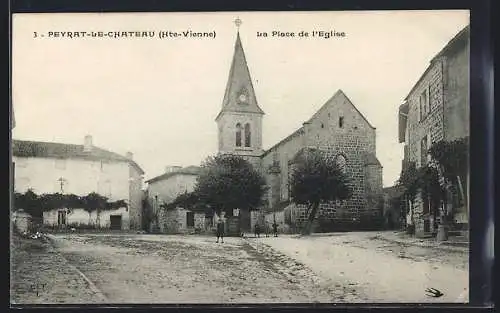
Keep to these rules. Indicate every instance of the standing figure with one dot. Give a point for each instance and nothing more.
(266, 229)
(257, 230)
(275, 229)
(220, 230)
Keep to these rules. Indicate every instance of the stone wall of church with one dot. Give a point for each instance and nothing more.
(339, 129)
(352, 137)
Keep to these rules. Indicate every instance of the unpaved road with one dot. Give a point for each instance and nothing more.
(177, 269)
(381, 270)
(353, 267)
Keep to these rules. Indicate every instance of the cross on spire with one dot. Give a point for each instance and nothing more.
(61, 183)
(238, 23)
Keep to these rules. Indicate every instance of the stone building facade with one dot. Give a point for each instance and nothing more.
(163, 189)
(436, 108)
(338, 128)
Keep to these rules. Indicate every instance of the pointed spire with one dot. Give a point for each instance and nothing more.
(240, 95)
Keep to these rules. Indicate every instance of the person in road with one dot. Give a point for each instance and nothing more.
(275, 229)
(220, 230)
(257, 230)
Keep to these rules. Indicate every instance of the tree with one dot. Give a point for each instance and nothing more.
(187, 200)
(94, 201)
(316, 178)
(29, 202)
(228, 182)
(452, 158)
(408, 181)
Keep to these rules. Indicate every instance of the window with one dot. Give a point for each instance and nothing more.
(341, 121)
(60, 164)
(248, 135)
(424, 104)
(190, 219)
(238, 135)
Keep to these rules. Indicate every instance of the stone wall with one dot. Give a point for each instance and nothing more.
(429, 125)
(175, 221)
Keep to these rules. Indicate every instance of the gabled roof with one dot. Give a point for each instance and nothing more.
(189, 170)
(300, 131)
(40, 149)
(239, 81)
(457, 41)
(339, 93)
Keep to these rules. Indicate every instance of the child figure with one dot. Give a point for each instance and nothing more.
(220, 230)
(275, 229)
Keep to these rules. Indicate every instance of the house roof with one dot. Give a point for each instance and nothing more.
(40, 149)
(458, 40)
(189, 170)
(239, 81)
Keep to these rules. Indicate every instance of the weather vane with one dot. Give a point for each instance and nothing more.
(238, 22)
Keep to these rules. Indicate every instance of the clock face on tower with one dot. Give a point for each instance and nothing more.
(243, 98)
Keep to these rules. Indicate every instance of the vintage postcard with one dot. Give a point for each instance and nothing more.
(240, 157)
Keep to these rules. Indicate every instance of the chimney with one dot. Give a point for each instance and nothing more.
(171, 169)
(129, 155)
(87, 143)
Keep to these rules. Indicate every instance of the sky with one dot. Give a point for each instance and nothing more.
(158, 97)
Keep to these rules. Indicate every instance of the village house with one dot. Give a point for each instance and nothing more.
(163, 189)
(437, 108)
(48, 168)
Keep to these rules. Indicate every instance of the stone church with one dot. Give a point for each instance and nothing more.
(338, 128)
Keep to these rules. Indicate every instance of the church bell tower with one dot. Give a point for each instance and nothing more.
(240, 119)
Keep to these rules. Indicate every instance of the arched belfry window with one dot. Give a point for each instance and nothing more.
(248, 135)
(341, 163)
(238, 135)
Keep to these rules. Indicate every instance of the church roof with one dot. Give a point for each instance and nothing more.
(239, 82)
(25, 148)
(340, 93)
